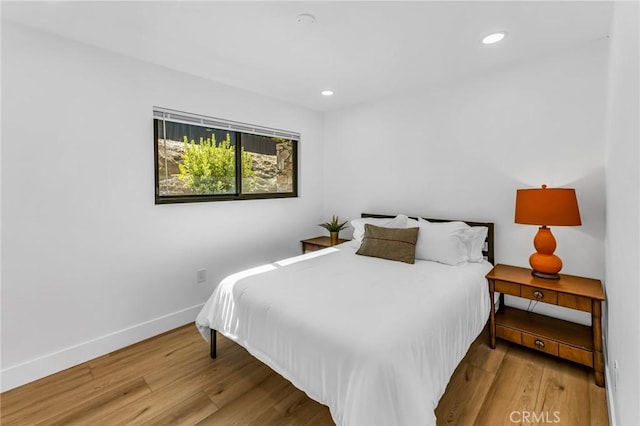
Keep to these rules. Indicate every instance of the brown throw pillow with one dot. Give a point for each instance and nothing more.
(389, 243)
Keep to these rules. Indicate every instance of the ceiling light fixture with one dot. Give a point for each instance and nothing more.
(306, 18)
(326, 92)
(494, 37)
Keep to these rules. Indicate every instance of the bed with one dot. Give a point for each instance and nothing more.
(375, 340)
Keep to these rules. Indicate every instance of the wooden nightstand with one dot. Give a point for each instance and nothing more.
(317, 243)
(564, 339)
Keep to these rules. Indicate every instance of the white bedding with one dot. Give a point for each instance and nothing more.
(375, 340)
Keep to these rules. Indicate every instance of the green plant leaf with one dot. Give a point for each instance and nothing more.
(334, 225)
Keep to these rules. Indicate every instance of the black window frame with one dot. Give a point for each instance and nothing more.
(238, 195)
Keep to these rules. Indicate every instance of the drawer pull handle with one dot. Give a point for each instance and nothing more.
(538, 294)
(539, 344)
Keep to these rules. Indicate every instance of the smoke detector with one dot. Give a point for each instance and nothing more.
(306, 18)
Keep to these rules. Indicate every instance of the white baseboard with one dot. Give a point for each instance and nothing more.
(54, 362)
(609, 387)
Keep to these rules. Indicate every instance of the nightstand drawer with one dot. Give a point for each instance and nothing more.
(576, 355)
(540, 343)
(310, 247)
(509, 334)
(506, 287)
(574, 302)
(539, 294)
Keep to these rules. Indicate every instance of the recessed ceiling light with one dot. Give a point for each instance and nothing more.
(306, 18)
(326, 92)
(494, 38)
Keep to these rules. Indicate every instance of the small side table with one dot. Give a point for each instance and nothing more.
(564, 339)
(318, 243)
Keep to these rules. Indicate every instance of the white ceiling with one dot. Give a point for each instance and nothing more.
(362, 50)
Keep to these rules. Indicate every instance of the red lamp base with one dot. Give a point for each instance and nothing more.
(544, 263)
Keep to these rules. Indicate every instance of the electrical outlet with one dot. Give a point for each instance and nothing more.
(201, 276)
(616, 375)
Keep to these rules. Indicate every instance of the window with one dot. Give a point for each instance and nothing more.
(200, 158)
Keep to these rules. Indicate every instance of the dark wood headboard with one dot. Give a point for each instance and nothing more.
(487, 250)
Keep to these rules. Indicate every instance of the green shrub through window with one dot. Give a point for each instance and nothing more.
(202, 163)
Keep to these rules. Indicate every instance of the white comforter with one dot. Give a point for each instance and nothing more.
(375, 340)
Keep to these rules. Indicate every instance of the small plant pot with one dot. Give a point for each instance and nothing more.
(334, 238)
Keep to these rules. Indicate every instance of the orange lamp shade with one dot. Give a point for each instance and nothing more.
(546, 206)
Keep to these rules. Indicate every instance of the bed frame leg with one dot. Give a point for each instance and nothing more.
(213, 344)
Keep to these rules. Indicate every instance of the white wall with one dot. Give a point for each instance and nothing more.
(461, 151)
(89, 263)
(623, 212)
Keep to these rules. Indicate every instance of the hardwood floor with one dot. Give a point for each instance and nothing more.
(170, 379)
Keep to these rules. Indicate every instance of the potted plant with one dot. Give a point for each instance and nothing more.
(334, 227)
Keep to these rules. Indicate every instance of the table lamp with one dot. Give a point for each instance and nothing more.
(546, 207)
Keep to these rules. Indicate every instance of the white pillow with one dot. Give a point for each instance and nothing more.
(442, 242)
(474, 239)
(399, 221)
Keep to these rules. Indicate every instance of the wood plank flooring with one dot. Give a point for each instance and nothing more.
(170, 379)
